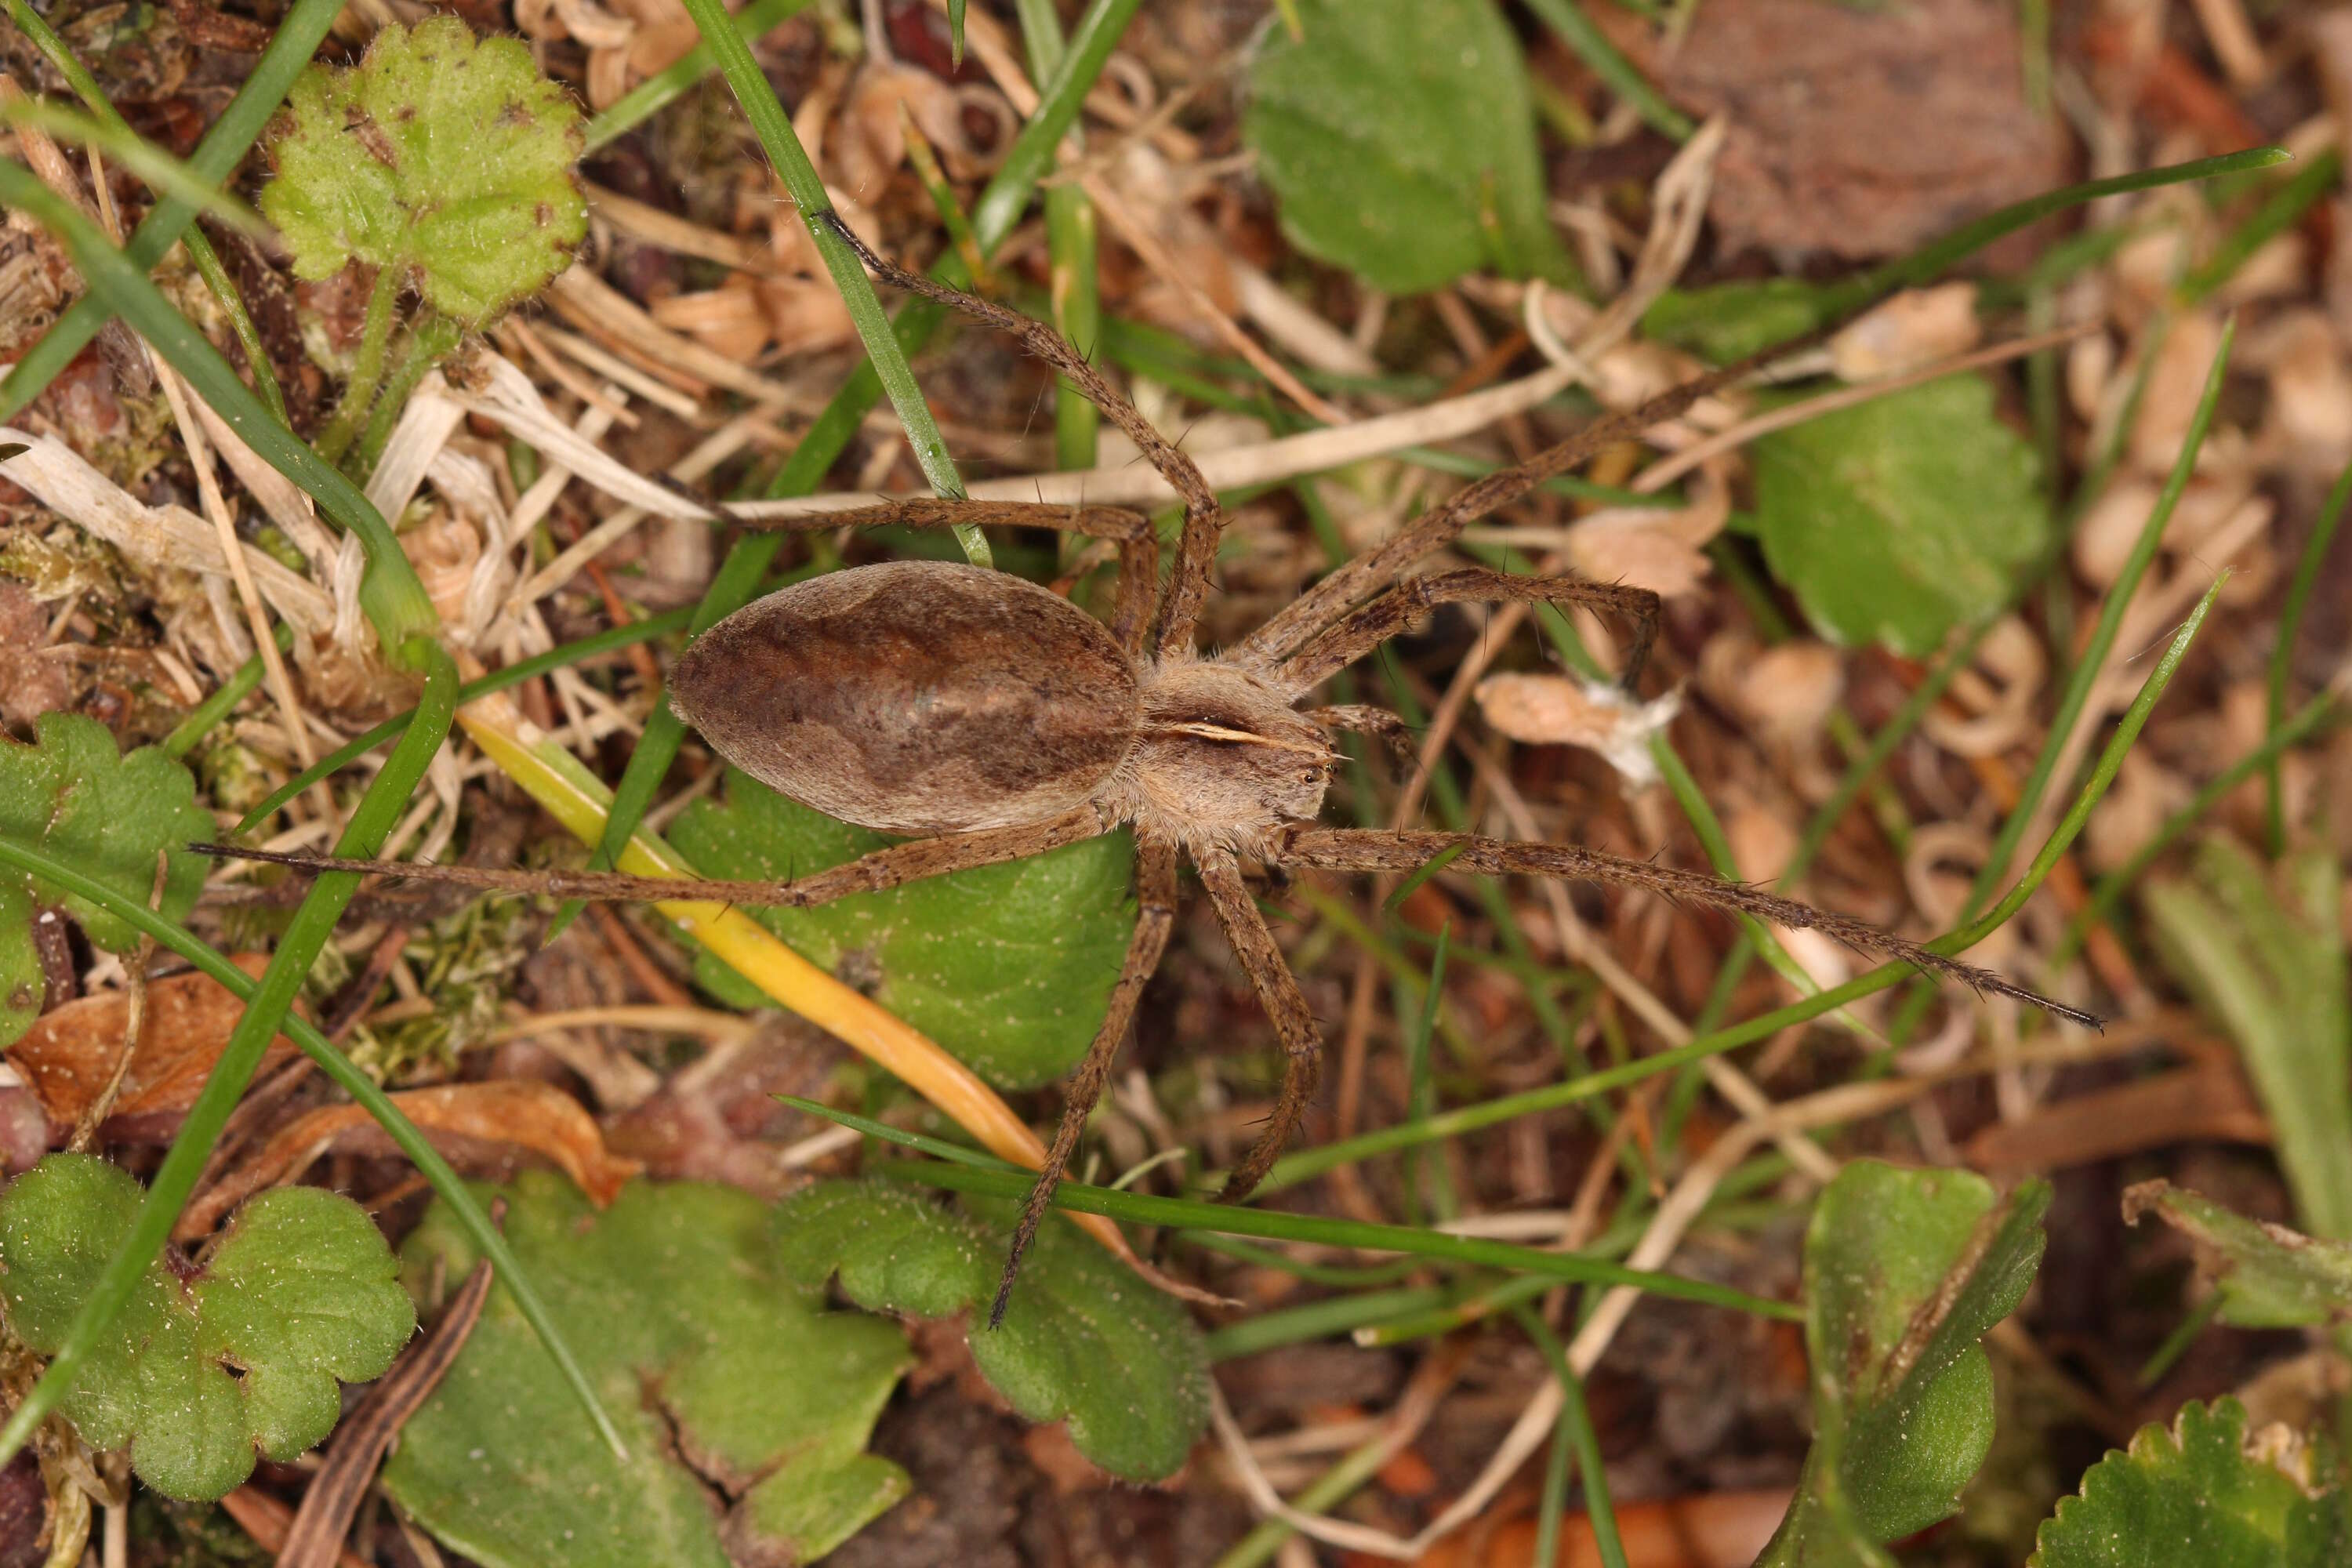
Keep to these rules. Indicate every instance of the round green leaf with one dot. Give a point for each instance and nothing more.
(1897, 519)
(1399, 141)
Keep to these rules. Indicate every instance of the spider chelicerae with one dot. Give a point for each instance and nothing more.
(993, 720)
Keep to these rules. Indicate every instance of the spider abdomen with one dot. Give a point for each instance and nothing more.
(915, 697)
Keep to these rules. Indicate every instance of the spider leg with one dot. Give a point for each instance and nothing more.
(1277, 991)
(1364, 628)
(901, 863)
(1362, 849)
(1138, 546)
(1362, 719)
(1180, 612)
(1155, 885)
(1357, 580)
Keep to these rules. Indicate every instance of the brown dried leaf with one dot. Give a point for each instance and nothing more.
(2206, 1101)
(1563, 711)
(1916, 328)
(1661, 550)
(1829, 106)
(69, 1054)
(532, 1115)
(1784, 692)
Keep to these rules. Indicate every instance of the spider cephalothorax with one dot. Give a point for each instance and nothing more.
(1000, 721)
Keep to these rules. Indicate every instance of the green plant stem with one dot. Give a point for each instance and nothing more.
(1190, 1213)
(363, 1089)
(1575, 1438)
(1307, 1164)
(200, 250)
(226, 696)
(1588, 43)
(367, 370)
(2282, 667)
(395, 602)
(656, 92)
(432, 338)
(935, 185)
(747, 560)
(790, 161)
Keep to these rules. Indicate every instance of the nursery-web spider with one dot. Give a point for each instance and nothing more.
(995, 720)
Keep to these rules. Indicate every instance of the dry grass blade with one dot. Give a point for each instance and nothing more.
(338, 1488)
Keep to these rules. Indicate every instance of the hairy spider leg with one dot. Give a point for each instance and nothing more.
(1380, 849)
(1155, 892)
(1277, 991)
(1364, 628)
(912, 861)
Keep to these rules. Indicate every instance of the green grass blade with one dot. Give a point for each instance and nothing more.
(659, 91)
(164, 174)
(1192, 1214)
(313, 924)
(2103, 635)
(217, 157)
(2279, 211)
(395, 602)
(363, 1089)
(225, 697)
(790, 161)
(937, 1148)
(1575, 1439)
(170, 178)
(1567, 19)
(2318, 714)
(1072, 258)
(1931, 259)
(2298, 597)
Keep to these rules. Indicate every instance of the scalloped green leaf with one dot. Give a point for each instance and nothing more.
(1897, 519)
(2204, 1492)
(1010, 967)
(1399, 141)
(72, 793)
(745, 1403)
(1904, 1272)
(198, 1374)
(1083, 1339)
(2269, 1277)
(438, 153)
